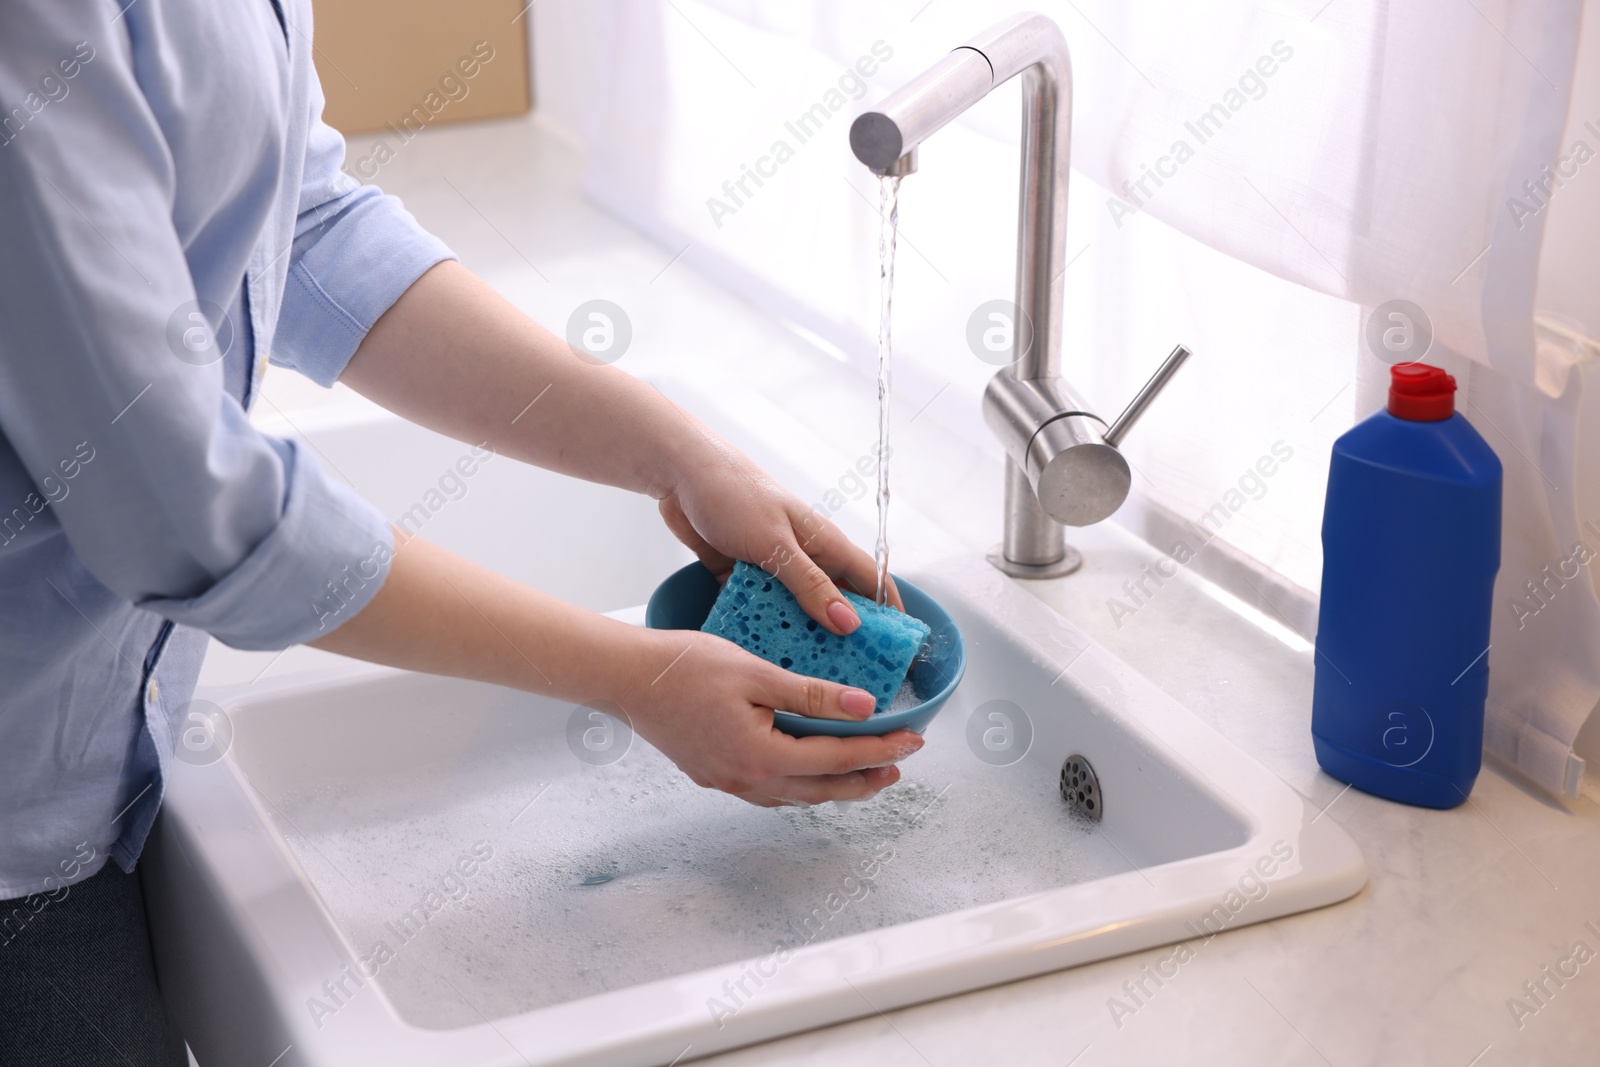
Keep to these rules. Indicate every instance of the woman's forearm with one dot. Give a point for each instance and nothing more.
(455, 356)
(439, 613)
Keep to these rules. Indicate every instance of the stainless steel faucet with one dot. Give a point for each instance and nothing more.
(1063, 465)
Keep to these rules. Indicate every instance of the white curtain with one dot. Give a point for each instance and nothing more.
(1250, 177)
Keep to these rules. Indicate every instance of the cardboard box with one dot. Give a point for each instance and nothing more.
(404, 65)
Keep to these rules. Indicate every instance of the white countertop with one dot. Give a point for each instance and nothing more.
(1463, 906)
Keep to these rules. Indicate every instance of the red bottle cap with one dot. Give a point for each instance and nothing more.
(1421, 393)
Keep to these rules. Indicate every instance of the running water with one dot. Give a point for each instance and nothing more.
(889, 212)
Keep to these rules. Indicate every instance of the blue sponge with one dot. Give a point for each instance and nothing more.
(758, 614)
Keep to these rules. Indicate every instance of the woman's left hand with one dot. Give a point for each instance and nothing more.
(725, 508)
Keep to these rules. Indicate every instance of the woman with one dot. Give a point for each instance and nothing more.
(174, 215)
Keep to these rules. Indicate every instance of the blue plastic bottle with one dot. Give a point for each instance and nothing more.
(1411, 544)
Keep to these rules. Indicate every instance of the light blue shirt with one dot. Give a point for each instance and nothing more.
(171, 212)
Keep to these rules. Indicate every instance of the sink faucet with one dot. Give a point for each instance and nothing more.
(1063, 465)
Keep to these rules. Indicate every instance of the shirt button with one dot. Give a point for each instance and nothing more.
(261, 365)
(152, 691)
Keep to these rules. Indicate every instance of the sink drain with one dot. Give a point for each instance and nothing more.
(1081, 788)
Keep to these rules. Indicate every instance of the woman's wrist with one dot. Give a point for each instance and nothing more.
(683, 449)
(623, 663)
(630, 660)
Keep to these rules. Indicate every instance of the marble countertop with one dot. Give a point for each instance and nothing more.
(1468, 912)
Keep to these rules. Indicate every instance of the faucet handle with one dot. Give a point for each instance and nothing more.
(1136, 407)
(1067, 455)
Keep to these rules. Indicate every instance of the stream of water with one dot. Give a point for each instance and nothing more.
(889, 212)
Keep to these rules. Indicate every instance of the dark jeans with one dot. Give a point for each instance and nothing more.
(78, 980)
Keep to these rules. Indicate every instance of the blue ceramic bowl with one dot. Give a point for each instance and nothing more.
(683, 601)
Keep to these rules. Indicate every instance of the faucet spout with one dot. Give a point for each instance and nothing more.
(1031, 45)
(1063, 466)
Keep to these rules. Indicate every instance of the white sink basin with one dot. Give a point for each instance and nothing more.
(613, 913)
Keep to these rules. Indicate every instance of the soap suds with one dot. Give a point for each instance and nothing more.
(905, 698)
(605, 877)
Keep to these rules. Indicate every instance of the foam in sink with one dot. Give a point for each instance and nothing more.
(758, 614)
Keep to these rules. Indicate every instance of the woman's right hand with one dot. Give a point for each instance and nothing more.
(707, 704)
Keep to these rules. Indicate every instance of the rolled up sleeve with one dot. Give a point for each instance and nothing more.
(355, 251)
(346, 539)
(182, 507)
